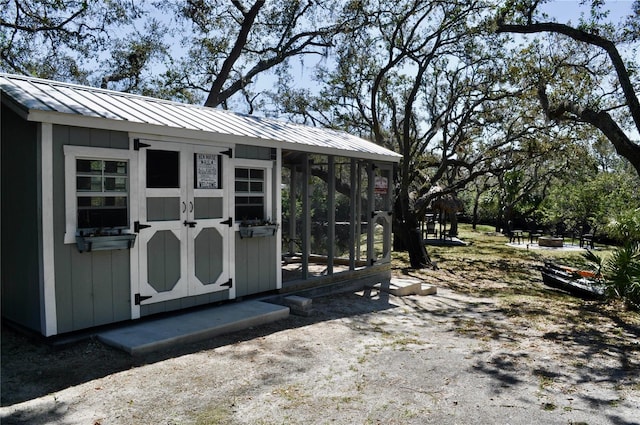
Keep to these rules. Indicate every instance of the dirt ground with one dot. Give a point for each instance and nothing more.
(475, 353)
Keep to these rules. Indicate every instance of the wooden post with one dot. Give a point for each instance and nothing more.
(306, 217)
(331, 206)
(371, 255)
(353, 225)
(292, 209)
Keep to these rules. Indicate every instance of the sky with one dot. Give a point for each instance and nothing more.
(565, 10)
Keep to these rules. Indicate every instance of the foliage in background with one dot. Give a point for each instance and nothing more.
(621, 270)
(593, 201)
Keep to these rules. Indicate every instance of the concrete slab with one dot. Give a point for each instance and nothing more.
(401, 287)
(151, 335)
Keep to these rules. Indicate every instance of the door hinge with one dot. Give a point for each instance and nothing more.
(139, 298)
(229, 284)
(137, 144)
(229, 221)
(228, 152)
(137, 226)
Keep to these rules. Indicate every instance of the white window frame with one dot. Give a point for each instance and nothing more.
(71, 153)
(265, 165)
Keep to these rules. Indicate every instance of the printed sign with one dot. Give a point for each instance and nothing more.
(206, 171)
(381, 185)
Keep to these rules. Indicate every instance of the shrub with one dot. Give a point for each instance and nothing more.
(621, 271)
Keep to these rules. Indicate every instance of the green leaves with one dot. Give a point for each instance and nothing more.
(622, 272)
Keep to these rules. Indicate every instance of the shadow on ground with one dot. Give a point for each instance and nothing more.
(33, 367)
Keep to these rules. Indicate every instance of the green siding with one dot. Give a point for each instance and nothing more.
(253, 152)
(92, 288)
(20, 165)
(256, 265)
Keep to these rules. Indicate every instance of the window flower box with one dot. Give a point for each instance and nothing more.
(257, 229)
(104, 242)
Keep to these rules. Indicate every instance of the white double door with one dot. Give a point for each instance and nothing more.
(184, 222)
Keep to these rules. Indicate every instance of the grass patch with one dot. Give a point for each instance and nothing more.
(218, 415)
(549, 407)
(488, 267)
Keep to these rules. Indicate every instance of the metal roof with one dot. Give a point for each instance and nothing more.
(63, 103)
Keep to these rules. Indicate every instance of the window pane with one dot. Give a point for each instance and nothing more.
(89, 166)
(84, 201)
(242, 173)
(256, 187)
(97, 201)
(257, 174)
(242, 186)
(89, 184)
(115, 167)
(114, 201)
(102, 218)
(248, 212)
(163, 169)
(115, 184)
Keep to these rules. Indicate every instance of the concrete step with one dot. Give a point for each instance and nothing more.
(151, 335)
(401, 287)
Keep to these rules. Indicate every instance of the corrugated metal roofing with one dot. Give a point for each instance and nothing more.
(46, 99)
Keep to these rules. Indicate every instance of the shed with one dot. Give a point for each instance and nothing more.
(118, 206)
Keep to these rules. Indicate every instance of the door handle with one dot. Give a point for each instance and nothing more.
(184, 206)
(190, 223)
(190, 206)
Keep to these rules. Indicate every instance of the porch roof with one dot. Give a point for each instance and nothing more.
(69, 104)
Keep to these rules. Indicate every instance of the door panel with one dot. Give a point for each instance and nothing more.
(209, 256)
(185, 249)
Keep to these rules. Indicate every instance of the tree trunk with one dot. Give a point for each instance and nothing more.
(476, 203)
(453, 229)
(407, 235)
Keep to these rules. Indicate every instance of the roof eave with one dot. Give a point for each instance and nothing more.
(145, 129)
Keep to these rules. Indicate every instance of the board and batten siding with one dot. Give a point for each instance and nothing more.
(21, 218)
(92, 288)
(255, 258)
(256, 265)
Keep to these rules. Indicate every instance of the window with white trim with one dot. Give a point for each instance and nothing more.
(97, 190)
(250, 193)
(102, 192)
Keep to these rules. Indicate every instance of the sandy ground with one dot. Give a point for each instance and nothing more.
(364, 358)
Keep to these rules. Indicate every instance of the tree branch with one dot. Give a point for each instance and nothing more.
(595, 40)
(213, 99)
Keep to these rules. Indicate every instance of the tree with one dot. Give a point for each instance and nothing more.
(191, 50)
(522, 17)
(421, 78)
(594, 200)
(58, 39)
(230, 44)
